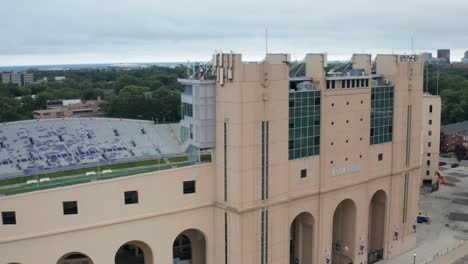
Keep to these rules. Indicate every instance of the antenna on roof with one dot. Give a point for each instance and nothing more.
(266, 40)
(412, 45)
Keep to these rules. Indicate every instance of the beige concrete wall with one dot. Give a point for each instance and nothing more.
(434, 138)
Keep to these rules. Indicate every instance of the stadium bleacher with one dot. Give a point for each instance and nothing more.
(41, 146)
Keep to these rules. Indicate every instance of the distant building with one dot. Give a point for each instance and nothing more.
(21, 79)
(68, 102)
(443, 55)
(60, 78)
(465, 59)
(427, 56)
(431, 108)
(69, 108)
(454, 134)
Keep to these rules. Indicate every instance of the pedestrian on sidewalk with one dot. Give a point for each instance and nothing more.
(395, 232)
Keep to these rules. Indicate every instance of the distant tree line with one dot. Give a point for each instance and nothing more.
(149, 93)
(153, 93)
(453, 90)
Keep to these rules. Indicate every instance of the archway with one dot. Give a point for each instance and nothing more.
(74, 258)
(134, 252)
(189, 247)
(344, 232)
(301, 239)
(376, 227)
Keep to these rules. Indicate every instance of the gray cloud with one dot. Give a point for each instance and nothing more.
(65, 31)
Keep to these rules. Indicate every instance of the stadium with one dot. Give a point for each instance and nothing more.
(269, 164)
(41, 146)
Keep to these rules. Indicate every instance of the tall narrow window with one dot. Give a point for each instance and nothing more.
(265, 139)
(405, 198)
(225, 162)
(225, 238)
(430, 108)
(408, 135)
(264, 236)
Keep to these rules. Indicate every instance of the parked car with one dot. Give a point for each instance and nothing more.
(454, 165)
(441, 163)
(423, 218)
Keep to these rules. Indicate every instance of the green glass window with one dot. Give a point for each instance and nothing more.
(304, 124)
(381, 114)
(187, 110)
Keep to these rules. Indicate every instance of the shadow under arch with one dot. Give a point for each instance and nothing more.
(134, 252)
(301, 240)
(344, 232)
(376, 226)
(189, 247)
(75, 258)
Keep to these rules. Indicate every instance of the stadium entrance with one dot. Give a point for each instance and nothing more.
(376, 227)
(344, 230)
(189, 248)
(301, 239)
(134, 252)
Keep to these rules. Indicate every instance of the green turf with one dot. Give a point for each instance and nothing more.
(83, 179)
(83, 171)
(178, 159)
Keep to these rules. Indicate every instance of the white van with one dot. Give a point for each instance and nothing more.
(46, 179)
(107, 171)
(89, 173)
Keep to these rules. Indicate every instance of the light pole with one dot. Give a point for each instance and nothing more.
(414, 258)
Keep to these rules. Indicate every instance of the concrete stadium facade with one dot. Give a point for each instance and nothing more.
(269, 195)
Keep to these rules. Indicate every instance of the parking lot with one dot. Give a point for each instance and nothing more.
(448, 231)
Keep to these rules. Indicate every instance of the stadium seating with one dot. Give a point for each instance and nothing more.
(40, 146)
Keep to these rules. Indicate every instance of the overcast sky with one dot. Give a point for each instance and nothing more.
(107, 31)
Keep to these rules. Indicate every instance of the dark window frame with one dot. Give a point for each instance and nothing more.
(9, 218)
(131, 197)
(303, 173)
(68, 209)
(189, 187)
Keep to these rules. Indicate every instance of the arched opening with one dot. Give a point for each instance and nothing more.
(376, 231)
(134, 252)
(301, 239)
(344, 231)
(189, 247)
(74, 258)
